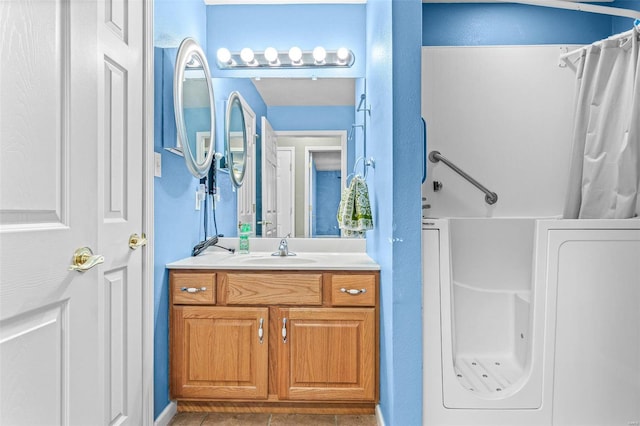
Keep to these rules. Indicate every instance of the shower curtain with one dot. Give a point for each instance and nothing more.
(604, 178)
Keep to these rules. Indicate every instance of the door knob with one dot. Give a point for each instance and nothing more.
(136, 241)
(84, 259)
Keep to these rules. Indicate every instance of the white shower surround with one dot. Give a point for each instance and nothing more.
(504, 115)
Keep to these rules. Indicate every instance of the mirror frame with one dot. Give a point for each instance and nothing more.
(188, 48)
(235, 99)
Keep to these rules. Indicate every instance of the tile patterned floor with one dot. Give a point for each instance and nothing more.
(261, 419)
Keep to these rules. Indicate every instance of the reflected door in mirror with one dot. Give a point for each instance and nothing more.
(269, 184)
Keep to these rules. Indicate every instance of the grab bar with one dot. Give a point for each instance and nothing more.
(490, 197)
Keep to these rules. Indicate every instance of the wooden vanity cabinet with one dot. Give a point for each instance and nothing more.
(329, 354)
(219, 352)
(301, 341)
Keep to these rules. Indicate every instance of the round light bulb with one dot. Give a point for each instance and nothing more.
(271, 54)
(295, 54)
(247, 55)
(224, 56)
(343, 54)
(319, 54)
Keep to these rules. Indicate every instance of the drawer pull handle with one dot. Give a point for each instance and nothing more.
(193, 289)
(353, 291)
(261, 331)
(284, 330)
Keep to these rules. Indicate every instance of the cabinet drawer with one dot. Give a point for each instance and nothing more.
(353, 290)
(272, 289)
(193, 287)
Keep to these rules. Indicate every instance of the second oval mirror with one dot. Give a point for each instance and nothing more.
(236, 139)
(194, 107)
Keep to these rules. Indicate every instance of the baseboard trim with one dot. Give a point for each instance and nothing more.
(167, 414)
(171, 409)
(379, 417)
(277, 407)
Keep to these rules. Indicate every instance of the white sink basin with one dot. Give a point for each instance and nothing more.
(329, 258)
(277, 260)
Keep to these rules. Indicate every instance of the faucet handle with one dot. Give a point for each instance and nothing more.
(283, 249)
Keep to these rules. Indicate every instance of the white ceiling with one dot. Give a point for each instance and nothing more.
(306, 92)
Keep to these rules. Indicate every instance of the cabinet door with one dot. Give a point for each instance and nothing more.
(219, 352)
(328, 354)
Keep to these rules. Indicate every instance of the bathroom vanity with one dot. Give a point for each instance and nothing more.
(258, 333)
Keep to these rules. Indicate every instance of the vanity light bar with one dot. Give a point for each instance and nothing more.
(293, 58)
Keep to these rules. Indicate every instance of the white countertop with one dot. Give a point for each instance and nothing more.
(336, 254)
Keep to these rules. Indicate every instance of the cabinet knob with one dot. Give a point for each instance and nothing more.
(353, 291)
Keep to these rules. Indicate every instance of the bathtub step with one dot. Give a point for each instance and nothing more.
(487, 375)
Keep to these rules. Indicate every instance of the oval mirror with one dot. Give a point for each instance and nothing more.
(236, 138)
(194, 107)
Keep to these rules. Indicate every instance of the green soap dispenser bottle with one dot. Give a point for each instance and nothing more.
(245, 231)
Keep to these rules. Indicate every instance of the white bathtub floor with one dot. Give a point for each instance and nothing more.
(487, 375)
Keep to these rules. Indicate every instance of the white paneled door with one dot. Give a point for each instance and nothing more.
(286, 189)
(71, 176)
(269, 184)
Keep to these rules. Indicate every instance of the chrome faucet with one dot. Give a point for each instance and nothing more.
(283, 248)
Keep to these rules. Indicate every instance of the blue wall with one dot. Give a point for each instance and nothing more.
(173, 20)
(379, 180)
(407, 213)
(509, 24)
(355, 144)
(513, 24)
(326, 203)
(311, 117)
(196, 120)
(176, 223)
(394, 31)
(624, 24)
